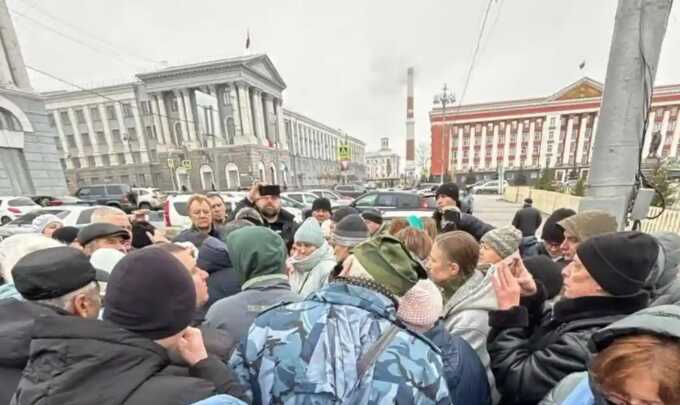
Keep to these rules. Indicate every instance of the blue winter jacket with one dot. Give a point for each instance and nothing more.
(465, 375)
(307, 353)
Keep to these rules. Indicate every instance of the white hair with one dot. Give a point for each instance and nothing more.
(65, 302)
(16, 247)
(100, 214)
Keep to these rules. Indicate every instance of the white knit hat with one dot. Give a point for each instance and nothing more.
(40, 222)
(421, 306)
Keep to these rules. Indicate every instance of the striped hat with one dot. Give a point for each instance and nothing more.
(351, 231)
(504, 240)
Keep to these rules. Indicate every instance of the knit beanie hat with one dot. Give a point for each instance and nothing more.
(587, 224)
(504, 241)
(342, 212)
(40, 223)
(390, 264)
(351, 231)
(421, 306)
(552, 232)
(131, 304)
(549, 273)
(310, 232)
(66, 234)
(373, 215)
(620, 262)
(322, 204)
(213, 256)
(449, 190)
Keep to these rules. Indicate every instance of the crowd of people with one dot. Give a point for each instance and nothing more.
(345, 307)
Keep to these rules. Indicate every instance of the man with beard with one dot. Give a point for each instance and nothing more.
(276, 219)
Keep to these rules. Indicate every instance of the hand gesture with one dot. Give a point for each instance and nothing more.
(191, 347)
(524, 278)
(254, 192)
(157, 237)
(506, 287)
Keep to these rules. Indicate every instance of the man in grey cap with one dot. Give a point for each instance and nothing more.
(103, 235)
(57, 280)
(583, 226)
(348, 233)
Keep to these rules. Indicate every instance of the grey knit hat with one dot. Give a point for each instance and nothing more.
(504, 241)
(351, 231)
(589, 223)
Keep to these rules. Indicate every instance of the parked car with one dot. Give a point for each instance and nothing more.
(149, 198)
(113, 195)
(71, 215)
(12, 208)
(335, 199)
(50, 201)
(306, 198)
(391, 202)
(349, 190)
(490, 187)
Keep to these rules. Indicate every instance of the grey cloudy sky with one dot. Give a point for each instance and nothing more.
(344, 61)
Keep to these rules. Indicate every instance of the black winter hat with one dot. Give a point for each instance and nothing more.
(322, 204)
(450, 190)
(372, 215)
(66, 235)
(551, 231)
(213, 256)
(620, 262)
(342, 212)
(547, 272)
(132, 304)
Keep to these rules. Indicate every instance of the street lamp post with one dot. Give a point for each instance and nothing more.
(444, 98)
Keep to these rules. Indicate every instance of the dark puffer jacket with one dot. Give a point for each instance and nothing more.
(452, 220)
(16, 323)
(222, 279)
(532, 351)
(80, 361)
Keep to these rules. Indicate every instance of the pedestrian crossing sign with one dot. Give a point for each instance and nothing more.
(343, 152)
(186, 164)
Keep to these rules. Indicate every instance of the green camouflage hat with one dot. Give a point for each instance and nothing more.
(390, 263)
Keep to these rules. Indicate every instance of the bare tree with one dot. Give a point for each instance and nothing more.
(422, 155)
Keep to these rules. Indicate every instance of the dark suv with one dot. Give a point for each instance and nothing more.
(389, 201)
(114, 195)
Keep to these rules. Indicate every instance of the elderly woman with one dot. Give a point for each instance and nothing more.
(46, 224)
(311, 260)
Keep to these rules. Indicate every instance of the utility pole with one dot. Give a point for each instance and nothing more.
(446, 97)
(639, 29)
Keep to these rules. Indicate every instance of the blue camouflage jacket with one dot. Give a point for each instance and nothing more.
(307, 353)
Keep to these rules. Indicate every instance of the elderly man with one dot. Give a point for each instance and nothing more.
(583, 226)
(52, 280)
(343, 342)
(114, 216)
(103, 235)
(201, 215)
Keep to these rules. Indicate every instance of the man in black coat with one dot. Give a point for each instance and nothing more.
(532, 349)
(527, 219)
(124, 358)
(54, 280)
(448, 216)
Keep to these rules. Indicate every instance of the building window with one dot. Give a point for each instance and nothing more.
(178, 133)
(173, 104)
(552, 122)
(64, 118)
(80, 117)
(110, 112)
(132, 134)
(86, 139)
(153, 155)
(91, 162)
(121, 158)
(76, 163)
(136, 157)
(71, 141)
(115, 134)
(149, 132)
(101, 139)
(146, 107)
(50, 120)
(127, 110)
(106, 160)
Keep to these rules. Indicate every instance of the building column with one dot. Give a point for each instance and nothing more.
(482, 149)
(676, 135)
(567, 142)
(76, 136)
(219, 126)
(506, 144)
(246, 118)
(96, 148)
(648, 135)
(270, 120)
(123, 133)
(258, 115)
(664, 130)
(459, 166)
(494, 147)
(471, 147)
(162, 128)
(62, 139)
(592, 139)
(107, 128)
(141, 136)
(230, 92)
(581, 139)
(186, 137)
(518, 147)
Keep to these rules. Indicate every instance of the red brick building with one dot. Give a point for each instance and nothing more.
(555, 131)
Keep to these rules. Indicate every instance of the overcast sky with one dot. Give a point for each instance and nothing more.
(344, 61)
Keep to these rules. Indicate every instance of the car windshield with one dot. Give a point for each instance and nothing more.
(21, 202)
(181, 208)
(27, 219)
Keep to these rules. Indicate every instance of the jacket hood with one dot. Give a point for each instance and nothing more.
(340, 293)
(476, 293)
(66, 349)
(213, 256)
(665, 271)
(16, 324)
(256, 251)
(9, 291)
(323, 253)
(661, 320)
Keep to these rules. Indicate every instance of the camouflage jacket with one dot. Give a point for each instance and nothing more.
(307, 353)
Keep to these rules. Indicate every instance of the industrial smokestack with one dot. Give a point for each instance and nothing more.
(410, 127)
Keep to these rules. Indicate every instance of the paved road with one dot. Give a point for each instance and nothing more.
(491, 209)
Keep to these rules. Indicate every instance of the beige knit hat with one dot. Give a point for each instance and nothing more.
(504, 240)
(587, 224)
(421, 306)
